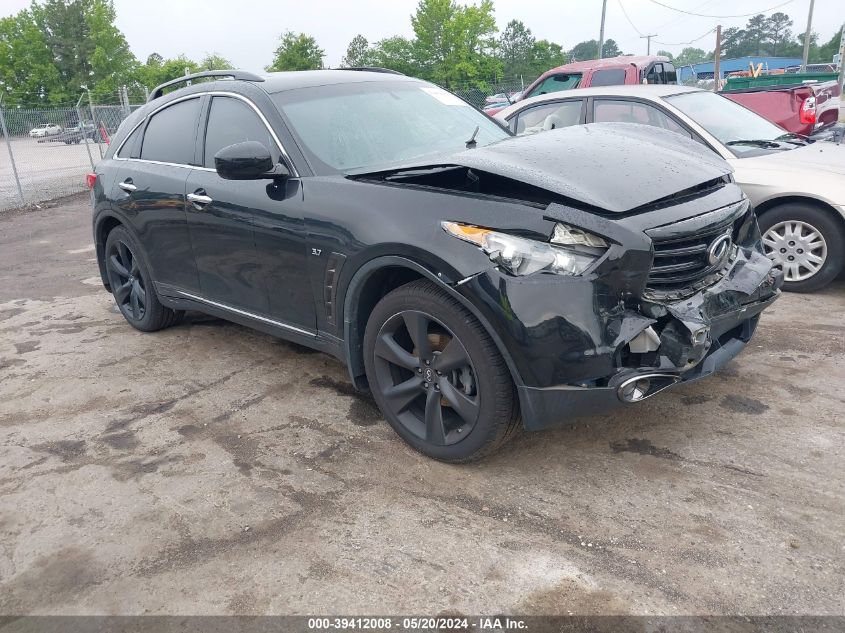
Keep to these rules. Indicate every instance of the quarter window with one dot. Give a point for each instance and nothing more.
(126, 150)
(171, 132)
(621, 111)
(549, 117)
(233, 121)
(608, 77)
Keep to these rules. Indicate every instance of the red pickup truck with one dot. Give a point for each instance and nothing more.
(611, 71)
(803, 108)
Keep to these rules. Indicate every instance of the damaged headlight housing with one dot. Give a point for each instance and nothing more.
(569, 252)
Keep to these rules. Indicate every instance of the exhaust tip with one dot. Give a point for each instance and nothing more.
(641, 387)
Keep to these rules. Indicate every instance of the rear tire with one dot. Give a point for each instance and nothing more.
(452, 397)
(132, 285)
(812, 237)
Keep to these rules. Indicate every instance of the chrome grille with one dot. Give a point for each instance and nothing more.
(682, 261)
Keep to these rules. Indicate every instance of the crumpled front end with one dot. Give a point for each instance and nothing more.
(678, 294)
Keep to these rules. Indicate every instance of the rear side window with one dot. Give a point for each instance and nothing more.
(670, 76)
(126, 149)
(233, 121)
(171, 133)
(550, 116)
(554, 83)
(619, 111)
(609, 77)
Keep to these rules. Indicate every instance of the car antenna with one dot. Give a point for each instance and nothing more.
(472, 142)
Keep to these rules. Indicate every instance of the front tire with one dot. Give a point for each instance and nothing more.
(132, 285)
(437, 376)
(806, 242)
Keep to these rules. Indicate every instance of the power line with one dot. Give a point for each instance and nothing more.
(703, 15)
(685, 43)
(625, 13)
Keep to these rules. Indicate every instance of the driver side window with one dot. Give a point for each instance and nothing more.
(232, 121)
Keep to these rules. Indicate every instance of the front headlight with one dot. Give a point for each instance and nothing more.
(571, 252)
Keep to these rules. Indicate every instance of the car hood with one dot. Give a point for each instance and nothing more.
(615, 167)
(823, 156)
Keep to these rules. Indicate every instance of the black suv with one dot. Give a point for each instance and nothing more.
(473, 281)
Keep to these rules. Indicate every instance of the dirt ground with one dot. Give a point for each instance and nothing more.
(210, 469)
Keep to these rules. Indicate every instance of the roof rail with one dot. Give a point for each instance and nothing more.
(373, 69)
(234, 74)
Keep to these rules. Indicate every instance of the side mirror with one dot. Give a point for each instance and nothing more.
(249, 160)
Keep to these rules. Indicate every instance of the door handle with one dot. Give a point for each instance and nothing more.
(199, 199)
(127, 185)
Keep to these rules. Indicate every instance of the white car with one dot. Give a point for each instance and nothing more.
(797, 187)
(45, 129)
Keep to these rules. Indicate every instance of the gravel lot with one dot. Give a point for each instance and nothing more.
(46, 170)
(211, 469)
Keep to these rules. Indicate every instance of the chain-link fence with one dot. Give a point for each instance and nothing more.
(493, 93)
(46, 152)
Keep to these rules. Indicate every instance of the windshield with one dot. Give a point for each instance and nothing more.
(745, 133)
(367, 125)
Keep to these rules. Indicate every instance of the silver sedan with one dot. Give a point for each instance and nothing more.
(797, 187)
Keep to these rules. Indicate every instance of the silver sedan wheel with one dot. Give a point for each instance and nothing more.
(797, 248)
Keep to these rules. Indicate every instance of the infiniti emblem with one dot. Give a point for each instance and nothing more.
(718, 249)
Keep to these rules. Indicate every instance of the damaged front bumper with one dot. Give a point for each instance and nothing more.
(578, 348)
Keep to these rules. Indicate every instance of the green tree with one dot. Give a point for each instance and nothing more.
(454, 44)
(396, 53)
(825, 52)
(666, 54)
(297, 51)
(28, 75)
(516, 49)
(779, 32)
(691, 55)
(213, 61)
(158, 70)
(358, 53)
(546, 55)
(588, 49)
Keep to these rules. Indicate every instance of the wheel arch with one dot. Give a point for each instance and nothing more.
(373, 281)
(103, 225)
(772, 203)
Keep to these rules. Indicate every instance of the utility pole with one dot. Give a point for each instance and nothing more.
(648, 39)
(601, 30)
(717, 59)
(807, 35)
(842, 75)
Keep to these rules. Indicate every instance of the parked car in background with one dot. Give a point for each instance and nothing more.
(472, 281)
(799, 103)
(45, 129)
(79, 133)
(796, 186)
(611, 71)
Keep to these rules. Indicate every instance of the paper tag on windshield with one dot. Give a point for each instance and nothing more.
(446, 98)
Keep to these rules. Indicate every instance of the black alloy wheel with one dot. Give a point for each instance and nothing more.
(131, 284)
(126, 281)
(437, 376)
(425, 375)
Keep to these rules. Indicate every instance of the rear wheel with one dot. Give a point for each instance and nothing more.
(437, 376)
(806, 242)
(132, 286)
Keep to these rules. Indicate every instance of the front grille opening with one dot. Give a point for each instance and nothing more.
(682, 264)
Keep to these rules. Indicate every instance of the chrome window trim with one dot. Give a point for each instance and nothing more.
(197, 95)
(251, 315)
